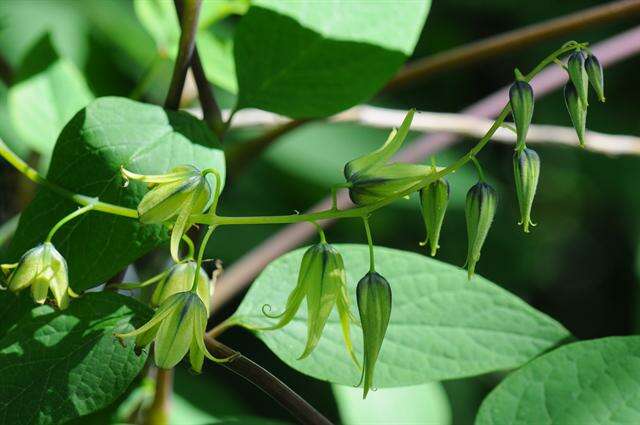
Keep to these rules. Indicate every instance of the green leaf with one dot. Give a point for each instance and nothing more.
(109, 133)
(591, 382)
(50, 92)
(442, 325)
(58, 365)
(324, 56)
(419, 404)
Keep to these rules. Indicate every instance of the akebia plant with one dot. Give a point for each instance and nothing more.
(326, 289)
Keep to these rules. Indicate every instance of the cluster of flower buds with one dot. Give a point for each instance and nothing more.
(371, 178)
(43, 269)
(583, 70)
(322, 281)
(173, 198)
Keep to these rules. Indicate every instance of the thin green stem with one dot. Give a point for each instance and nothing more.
(67, 219)
(203, 246)
(367, 228)
(476, 163)
(190, 247)
(34, 176)
(323, 238)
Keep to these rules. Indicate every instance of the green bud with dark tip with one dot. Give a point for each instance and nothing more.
(577, 111)
(578, 76)
(596, 75)
(480, 209)
(434, 199)
(374, 305)
(526, 171)
(323, 282)
(521, 101)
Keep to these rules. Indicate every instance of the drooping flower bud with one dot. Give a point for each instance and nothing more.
(577, 111)
(480, 208)
(322, 280)
(433, 202)
(371, 178)
(177, 327)
(521, 101)
(180, 279)
(173, 196)
(595, 74)
(374, 305)
(526, 171)
(578, 76)
(42, 268)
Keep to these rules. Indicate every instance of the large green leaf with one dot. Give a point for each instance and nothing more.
(109, 133)
(591, 382)
(442, 325)
(58, 365)
(418, 404)
(309, 59)
(50, 92)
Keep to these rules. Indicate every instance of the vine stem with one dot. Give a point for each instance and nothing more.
(67, 219)
(158, 413)
(267, 382)
(189, 26)
(83, 200)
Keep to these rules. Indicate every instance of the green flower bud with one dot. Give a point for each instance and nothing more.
(595, 74)
(174, 196)
(526, 171)
(371, 178)
(578, 76)
(177, 327)
(386, 181)
(521, 101)
(322, 281)
(433, 202)
(577, 111)
(480, 208)
(180, 279)
(42, 268)
(374, 304)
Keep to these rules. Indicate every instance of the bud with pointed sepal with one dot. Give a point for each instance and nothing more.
(595, 74)
(322, 281)
(372, 179)
(174, 197)
(526, 170)
(480, 209)
(577, 111)
(177, 327)
(578, 76)
(42, 268)
(180, 279)
(434, 199)
(522, 102)
(374, 305)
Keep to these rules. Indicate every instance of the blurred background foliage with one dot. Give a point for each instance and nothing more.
(580, 265)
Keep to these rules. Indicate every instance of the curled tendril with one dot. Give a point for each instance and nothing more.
(266, 310)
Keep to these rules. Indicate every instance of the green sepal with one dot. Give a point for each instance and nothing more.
(522, 103)
(374, 305)
(596, 75)
(380, 156)
(577, 111)
(526, 172)
(578, 76)
(434, 199)
(480, 209)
